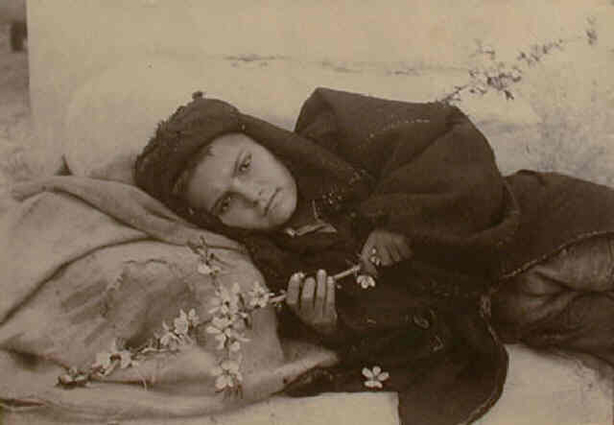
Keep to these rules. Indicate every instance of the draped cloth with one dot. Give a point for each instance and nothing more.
(92, 272)
(87, 262)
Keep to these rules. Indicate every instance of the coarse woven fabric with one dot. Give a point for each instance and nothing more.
(91, 262)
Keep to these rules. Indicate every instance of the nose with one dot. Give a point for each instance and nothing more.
(254, 194)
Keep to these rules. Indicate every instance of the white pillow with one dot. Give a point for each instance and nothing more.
(112, 116)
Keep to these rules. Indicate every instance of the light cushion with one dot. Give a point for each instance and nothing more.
(112, 116)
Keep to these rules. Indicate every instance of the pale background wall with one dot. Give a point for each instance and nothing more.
(267, 56)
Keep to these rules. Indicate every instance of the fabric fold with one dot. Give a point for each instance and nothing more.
(89, 262)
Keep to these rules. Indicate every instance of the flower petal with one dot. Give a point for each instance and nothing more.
(221, 341)
(383, 376)
(193, 317)
(221, 382)
(213, 330)
(221, 322)
(376, 370)
(371, 384)
(181, 325)
(203, 268)
(367, 373)
(230, 365)
(125, 359)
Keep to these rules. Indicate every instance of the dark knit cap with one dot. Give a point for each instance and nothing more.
(178, 140)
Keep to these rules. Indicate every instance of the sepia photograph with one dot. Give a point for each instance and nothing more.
(306, 212)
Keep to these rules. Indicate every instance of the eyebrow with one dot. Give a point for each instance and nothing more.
(216, 205)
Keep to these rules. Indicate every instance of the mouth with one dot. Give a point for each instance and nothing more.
(270, 203)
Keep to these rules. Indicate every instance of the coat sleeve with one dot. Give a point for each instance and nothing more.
(437, 181)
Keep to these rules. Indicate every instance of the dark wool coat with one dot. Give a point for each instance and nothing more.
(437, 183)
(469, 228)
(425, 322)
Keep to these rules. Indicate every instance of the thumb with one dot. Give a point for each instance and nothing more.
(367, 267)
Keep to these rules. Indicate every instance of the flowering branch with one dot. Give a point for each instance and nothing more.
(232, 316)
(171, 340)
(501, 76)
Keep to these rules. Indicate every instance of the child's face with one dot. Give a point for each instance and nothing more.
(243, 184)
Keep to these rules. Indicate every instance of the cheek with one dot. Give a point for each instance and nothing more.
(291, 188)
(244, 217)
(283, 176)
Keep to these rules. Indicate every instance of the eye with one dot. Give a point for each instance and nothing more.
(224, 205)
(247, 162)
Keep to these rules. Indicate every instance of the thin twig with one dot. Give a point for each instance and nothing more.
(352, 270)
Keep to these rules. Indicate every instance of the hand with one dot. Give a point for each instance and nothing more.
(384, 248)
(313, 300)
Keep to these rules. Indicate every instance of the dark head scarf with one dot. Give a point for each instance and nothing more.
(323, 179)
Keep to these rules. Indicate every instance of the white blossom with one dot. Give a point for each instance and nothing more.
(375, 377)
(207, 269)
(365, 281)
(259, 296)
(103, 361)
(228, 374)
(221, 328)
(169, 339)
(107, 361)
(226, 300)
(193, 318)
(182, 324)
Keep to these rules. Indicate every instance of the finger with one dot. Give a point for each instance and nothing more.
(294, 286)
(367, 267)
(382, 251)
(395, 255)
(330, 297)
(370, 243)
(307, 294)
(320, 300)
(371, 256)
(365, 254)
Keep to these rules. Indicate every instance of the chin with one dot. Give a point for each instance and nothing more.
(288, 211)
(281, 219)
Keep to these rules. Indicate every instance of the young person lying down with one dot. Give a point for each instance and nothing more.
(463, 257)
